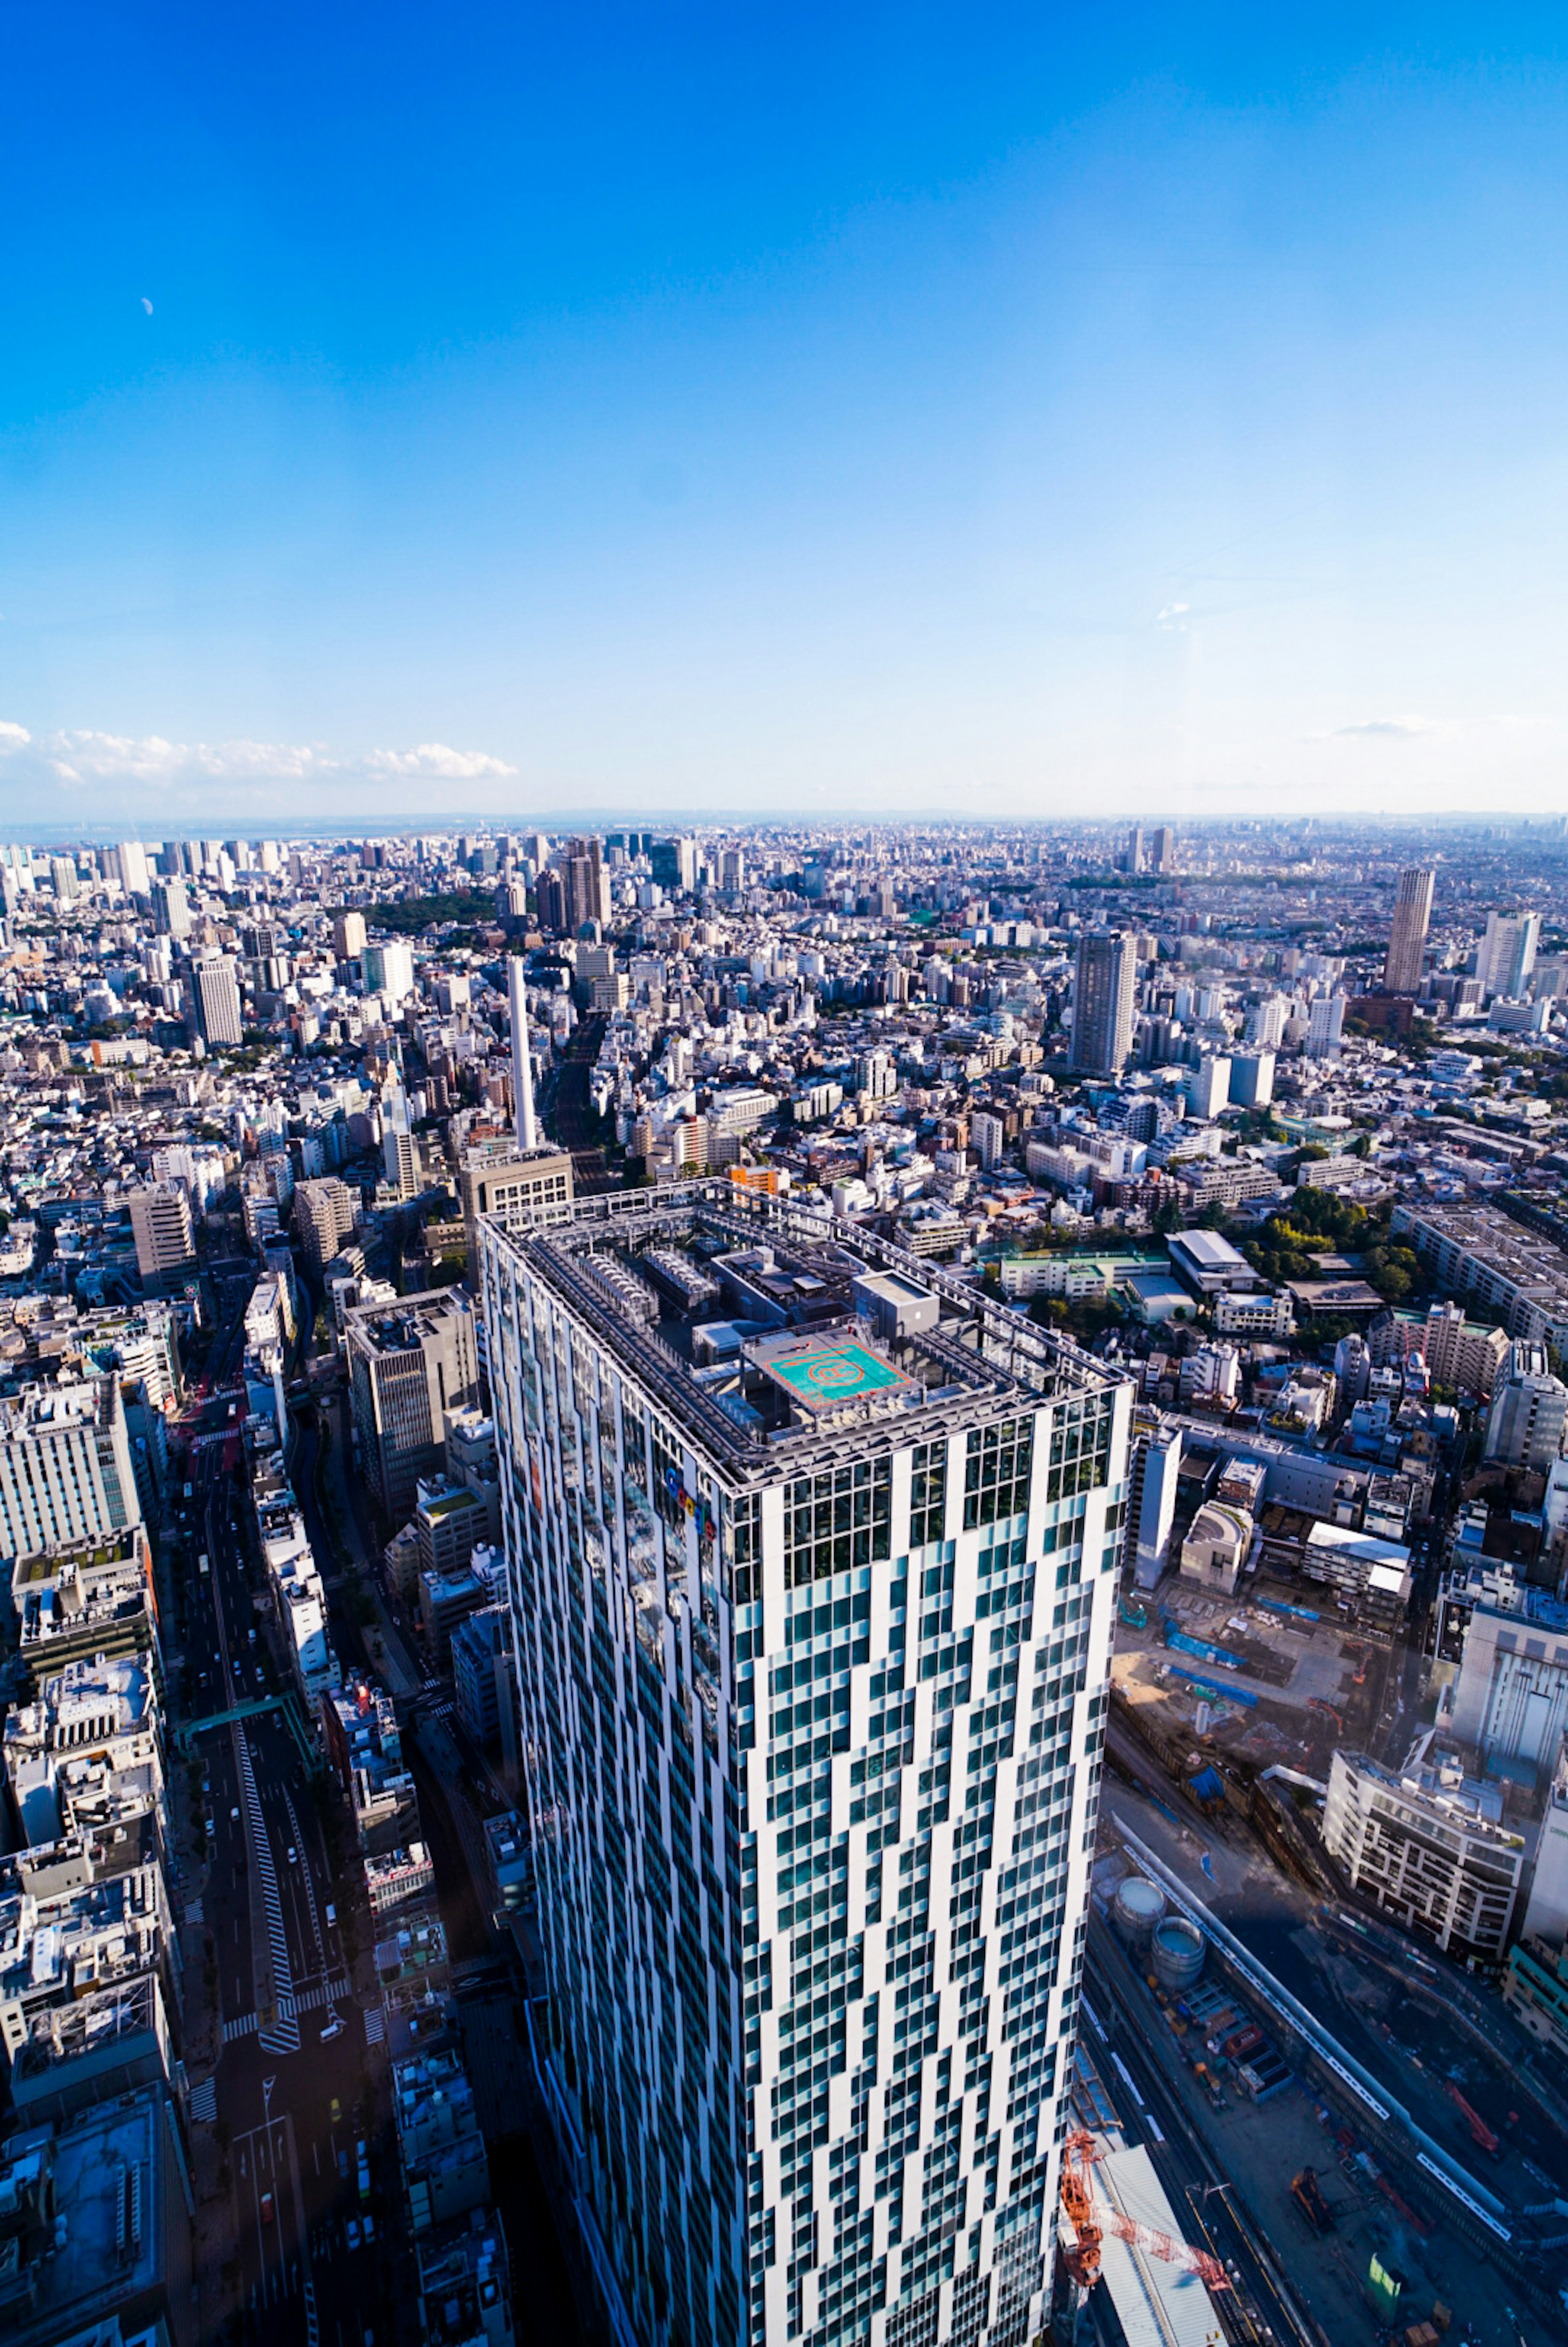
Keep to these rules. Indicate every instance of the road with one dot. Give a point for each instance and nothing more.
(294, 2092)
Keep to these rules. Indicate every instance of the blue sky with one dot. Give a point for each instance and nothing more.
(767, 410)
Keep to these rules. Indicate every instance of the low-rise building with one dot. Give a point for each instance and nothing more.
(1428, 1844)
(98, 2228)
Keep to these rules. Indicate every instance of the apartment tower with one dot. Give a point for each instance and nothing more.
(1408, 934)
(1102, 1002)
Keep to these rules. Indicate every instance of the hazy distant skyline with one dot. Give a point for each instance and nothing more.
(694, 411)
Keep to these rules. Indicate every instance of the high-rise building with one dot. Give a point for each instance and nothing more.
(588, 886)
(518, 1187)
(813, 1662)
(399, 1147)
(1163, 850)
(409, 1364)
(1506, 955)
(1408, 931)
(1528, 1409)
(130, 861)
(217, 1012)
(673, 864)
(66, 1470)
(326, 1213)
(1252, 1079)
(388, 968)
(171, 913)
(1134, 859)
(1102, 1002)
(349, 935)
(1209, 1087)
(1325, 1026)
(161, 1227)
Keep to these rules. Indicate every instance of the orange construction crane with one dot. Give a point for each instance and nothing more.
(1090, 2224)
(1485, 2137)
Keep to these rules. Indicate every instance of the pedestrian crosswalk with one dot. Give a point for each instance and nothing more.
(204, 2101)
(281, 2035)
(375, 2025)
(306, 2000)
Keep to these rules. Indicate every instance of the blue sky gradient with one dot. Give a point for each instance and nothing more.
(782, 411)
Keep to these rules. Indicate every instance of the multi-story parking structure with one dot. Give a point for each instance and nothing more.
(813, 1637)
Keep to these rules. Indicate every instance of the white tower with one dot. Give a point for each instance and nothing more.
(522, 1059)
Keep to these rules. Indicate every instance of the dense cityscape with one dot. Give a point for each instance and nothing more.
(786, 1582)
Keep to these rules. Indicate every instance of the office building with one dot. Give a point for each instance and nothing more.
(1528, 1407)
(1102, 1002)
(66, 1470)
(482, 1677)
(130, 862)
(1509, 1702)
(161, 1227)
(170, 912)
(1325, 1026)
(1162, 851)
(673, 864)
(1428, 1844)
(1132, 860)
(1505, 960)
(217, 1014)
(495, 1178)
(388, 969)
(326, 1215)
(349, 935)
(1208, 1088)
(1405, 960)
(814, 1960)
(409, 1364)
(1252, 1079)
(988, 1135)
(98, 2214)
(400, 1148)
(1151, 1501)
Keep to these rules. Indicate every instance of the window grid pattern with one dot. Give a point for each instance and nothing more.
(837, 1519)
(997, 1471)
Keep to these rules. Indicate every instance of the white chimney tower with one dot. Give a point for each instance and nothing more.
(522, 1058)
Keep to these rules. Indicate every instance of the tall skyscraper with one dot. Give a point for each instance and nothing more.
(1506, 956)
(171, 913)
(1102, 1002)
(1408, 932)
(1163, 850)
(217, 1012)
(522, 1056)
(813, 1661)
(1134, 855)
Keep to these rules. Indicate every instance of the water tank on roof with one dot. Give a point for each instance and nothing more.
(1178, 1949)
(1138, 1907)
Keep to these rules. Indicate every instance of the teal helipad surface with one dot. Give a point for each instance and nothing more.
(834, 1373)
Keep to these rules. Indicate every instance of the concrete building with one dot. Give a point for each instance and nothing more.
(820, 1513)
(1462, 1354)
(1103, 994)
(218, 1019)
(1208, 1088)
(496, 1178)
(349, 935)
(97, 2228)
(1151, 1502)
(1505, 959)
(1477, 1251)
(1428, 1844)
(1216, 1549)
(1529, 1408)
(388, 969)
(401, 1166)
(1252, 1079)
(1510, 1701)
(409, 1364)
(161, 1227)
(326, 1214)
(482, 1678)
(66, 1471)
(1406, 959)
(1207, 1263)
(1536, 1984)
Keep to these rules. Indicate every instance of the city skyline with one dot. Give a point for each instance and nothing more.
(704, 417)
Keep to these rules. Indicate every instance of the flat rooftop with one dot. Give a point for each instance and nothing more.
(806, 1369)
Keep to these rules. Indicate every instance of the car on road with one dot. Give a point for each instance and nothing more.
(293, 1855)
(211, 1828)
(267, 2209)
(337, 2110)
(331, 1914)
(334, 2028)
(234, 1815)
(352, 2230)
(369, 2223)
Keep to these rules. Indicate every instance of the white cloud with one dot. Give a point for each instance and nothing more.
(1171, 611)
(82, 758)
(1386, 729)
